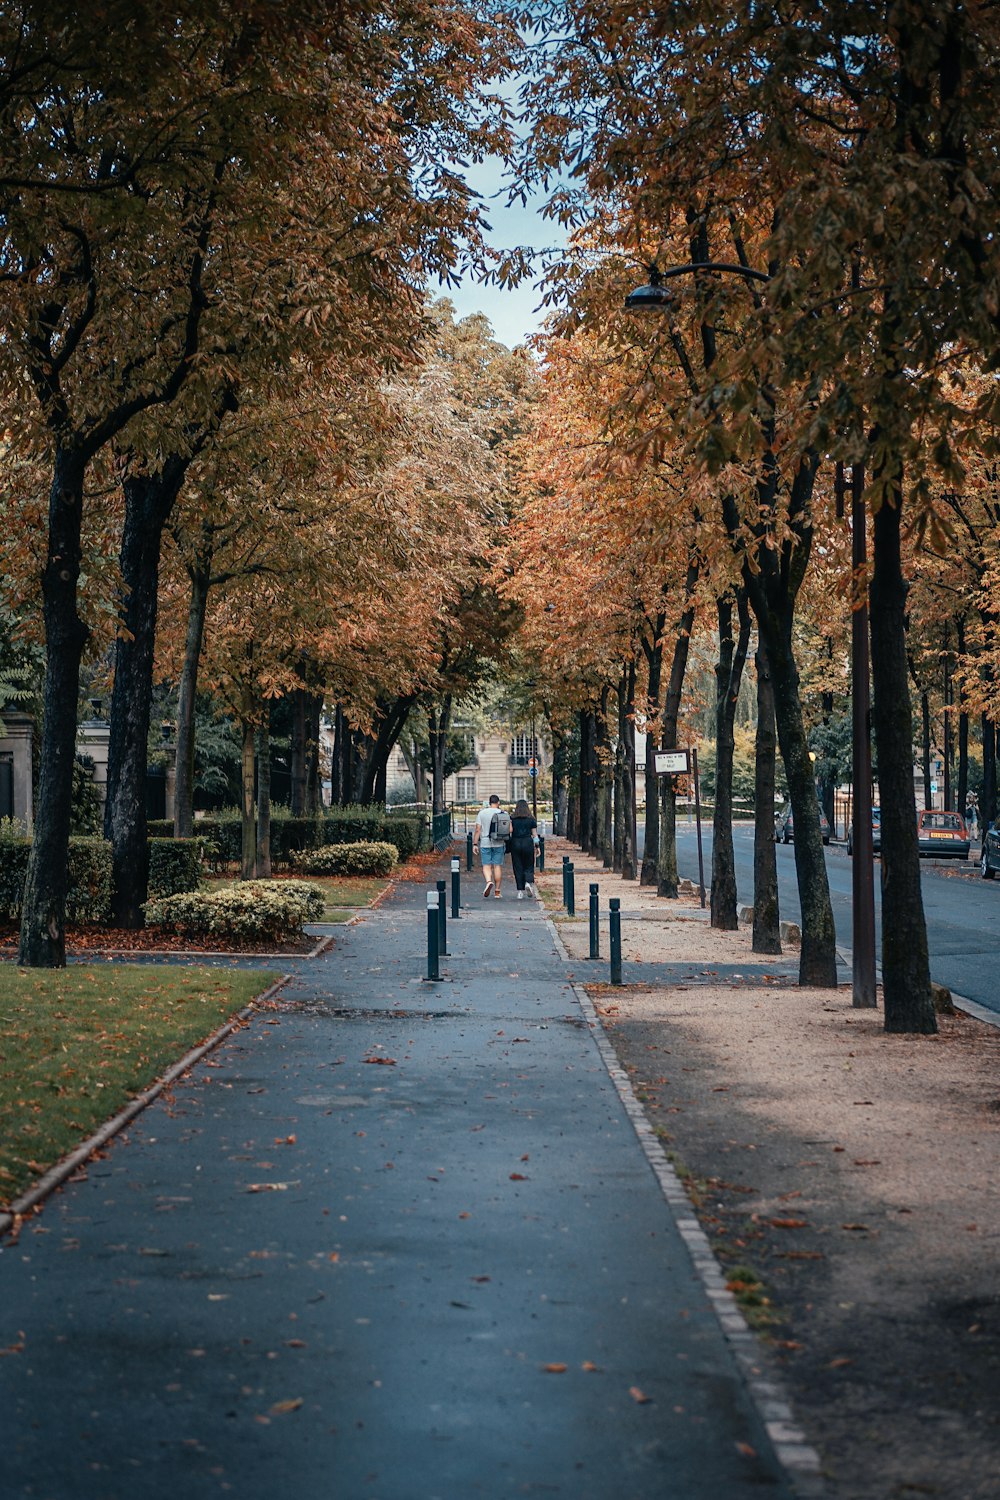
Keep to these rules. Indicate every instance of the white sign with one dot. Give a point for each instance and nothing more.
(670, 762)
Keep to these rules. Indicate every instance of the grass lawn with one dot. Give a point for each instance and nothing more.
(341, 891)
(77, 1044)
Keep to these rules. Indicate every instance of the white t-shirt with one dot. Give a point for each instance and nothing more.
(483, 821)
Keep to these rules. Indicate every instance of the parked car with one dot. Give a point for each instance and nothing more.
(989, 861)
(942, 834)
(876, 833)
(784, 831)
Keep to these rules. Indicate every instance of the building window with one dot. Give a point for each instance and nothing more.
(518, 787)
(465, 789)
(524, 746)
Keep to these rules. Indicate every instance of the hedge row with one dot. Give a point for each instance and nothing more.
(174, 865)
(290, 836)
(88, 898)
(254, 910)
(348, 859)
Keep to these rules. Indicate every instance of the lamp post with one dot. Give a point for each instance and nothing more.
(655, 297)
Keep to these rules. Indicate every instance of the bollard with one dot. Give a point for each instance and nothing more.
(442, 919)
(616, 940)
(541, 851)
(595, 922)
(433, 929)
(456, 888)
(468, 851)
(565, 900)
(570, 891)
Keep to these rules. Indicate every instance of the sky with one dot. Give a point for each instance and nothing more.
(513, 313)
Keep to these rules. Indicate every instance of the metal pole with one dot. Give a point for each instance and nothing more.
(863, 871)
(456, 888)
(442, 918)
(697, 815)
(534, 769)
(468, 851)
(616, 940)
(570, 892)
(433, 929)
(565, 900)
(541, 851)
(595, 922)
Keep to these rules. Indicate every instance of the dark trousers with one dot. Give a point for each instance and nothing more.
(522, 858)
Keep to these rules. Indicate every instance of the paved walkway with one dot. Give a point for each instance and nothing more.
(397, 1241)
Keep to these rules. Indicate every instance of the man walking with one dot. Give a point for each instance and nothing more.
(490, 837)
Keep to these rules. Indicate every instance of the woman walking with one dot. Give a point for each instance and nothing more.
(523, 842)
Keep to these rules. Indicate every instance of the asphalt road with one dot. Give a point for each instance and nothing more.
(962, 909)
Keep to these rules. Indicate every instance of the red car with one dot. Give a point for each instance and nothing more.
(942, 834)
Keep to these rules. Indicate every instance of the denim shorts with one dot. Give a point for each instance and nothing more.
(491, 854)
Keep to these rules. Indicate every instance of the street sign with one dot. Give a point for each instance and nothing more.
(532, 770)
(670, 762)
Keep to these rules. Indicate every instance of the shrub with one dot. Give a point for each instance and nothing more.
(349, 859)
(174, 865)
(91, 884)
(253, 910)
(159, 828)
(88, 897)
(351, 825)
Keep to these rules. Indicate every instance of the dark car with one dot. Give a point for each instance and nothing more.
(989, 862)
(876, 833)
(942, 834)
(784, 831)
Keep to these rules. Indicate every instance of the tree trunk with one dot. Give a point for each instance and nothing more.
(988, 801)
(654, 674)
(604, 775)
(766, 925)
(818, 957)
(963, 728)
(925, 747)
(337, 797)
(728, 676)
(42, 942)
(149, 500)
(390, 728)
(586, 837)
(314, 791)
(264, 796)
(906, 983)
(439, 724)
(666, 864)
(297, 755)
(248, 848)
(629, 860)
(200, 574)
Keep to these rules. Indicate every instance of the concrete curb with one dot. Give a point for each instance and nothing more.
(58, 1174)
(797, 1457)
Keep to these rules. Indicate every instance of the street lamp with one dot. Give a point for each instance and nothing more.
(654, 296)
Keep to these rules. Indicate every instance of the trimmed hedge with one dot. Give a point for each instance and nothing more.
(88, 897)
(254, 909)
(349, 859)
(408, 832)
(174, 866)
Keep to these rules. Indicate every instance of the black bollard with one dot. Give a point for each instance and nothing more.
(433, 931)
(570, 891)
(442, 919)
(595, 922)
(616, 940)
(565, 900)
(456, 888)
(468, 851)
(541, 851)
